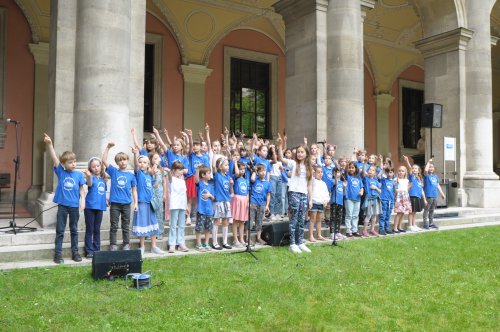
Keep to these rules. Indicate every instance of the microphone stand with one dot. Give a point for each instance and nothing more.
(12, 224)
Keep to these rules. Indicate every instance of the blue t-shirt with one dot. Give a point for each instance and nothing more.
(387, 193)
(337, 193)
(144, 186)
(205, 204)
(240, 187)
(96, 196)
(261, 161)
(246, 160)
(222, 183)
(371, 193)
(416, 186)
(284, 175)
(260, 188)
(328, 176)
(195, 162)
(68, 187)
(171, 157)
(354, 185)
(121, 185)
(143, 152)
(360, 164)
(431, 181)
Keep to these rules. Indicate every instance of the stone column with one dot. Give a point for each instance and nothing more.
(103, 45)
(305, 69)
(194, 96)
(480, 182)
(40, 53)
(345, 75)
(444, 56)
(136, 52)
(383, 101)
(61, 86)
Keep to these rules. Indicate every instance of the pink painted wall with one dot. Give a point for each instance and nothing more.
(248, 40)
(370, 114)
(18, 103)
(173, 83)
(412, 73)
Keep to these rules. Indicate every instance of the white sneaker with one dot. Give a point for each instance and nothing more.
(158, 251)
(304, 248)
(295, 249)
(188, 220)
(339, 237)
(418, 229)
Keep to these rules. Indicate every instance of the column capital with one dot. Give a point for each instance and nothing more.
(453, 40)
(40, 53)
(293, 9)
(366, 6)
(494, 40)
(383, 99)
(195, 73)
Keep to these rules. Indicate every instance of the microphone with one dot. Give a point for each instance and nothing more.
(12, 121)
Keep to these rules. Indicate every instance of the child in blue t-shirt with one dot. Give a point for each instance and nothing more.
(417, 195)
(337, 191)
(354, 191)
(205, 210)
(222, 208)
(260, 199)
(387, 201)
(145, 223)
(69, 196)
(371, 204)
(123, 189)
(239, 204)
(431, 189)
(95, 205)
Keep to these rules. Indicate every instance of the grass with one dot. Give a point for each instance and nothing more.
(437, 281)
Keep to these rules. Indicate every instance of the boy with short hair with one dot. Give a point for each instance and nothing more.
(206, 195)
(70, 196)
(259, 200)
(123, 183)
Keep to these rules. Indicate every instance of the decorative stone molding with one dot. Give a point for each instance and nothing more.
(449, 41)
(199, 18)
(40, 53)
(291, 10)
(195, 73)
(34, 26)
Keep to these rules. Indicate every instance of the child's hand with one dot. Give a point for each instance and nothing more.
(443, 196)
(135, 150)
(207, 127)
(107, 202)
(231, 181)
(206, 196)
(110, 145)
(189, 132)
(46, 139)
(155, 131)
(373, 186)
(405, 158)
(82, 205)
(226, 131)
(425, 202)
(136, 207)
(86, 172)
(132, 130)
(165, 132)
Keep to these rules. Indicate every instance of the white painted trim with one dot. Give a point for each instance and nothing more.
(157, 41)
(412, 85)
(272, 60)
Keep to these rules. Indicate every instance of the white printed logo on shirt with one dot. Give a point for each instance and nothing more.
(243, 186)
(355, 182)
(225, 184)
(203, 192)
(149, 186)
(259, 188)
(101, 188)
(68, 183)
(121, 181)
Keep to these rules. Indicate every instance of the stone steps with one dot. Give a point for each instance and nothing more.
(39, 245)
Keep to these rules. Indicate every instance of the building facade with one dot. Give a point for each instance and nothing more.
(353, 72)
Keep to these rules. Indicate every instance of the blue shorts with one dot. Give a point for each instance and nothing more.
(318, 208)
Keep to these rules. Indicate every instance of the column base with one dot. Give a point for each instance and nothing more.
(46, 218)
(482, 192)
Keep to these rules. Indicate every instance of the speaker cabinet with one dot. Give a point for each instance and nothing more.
(111, 264)
(432, 116)
(276, 234)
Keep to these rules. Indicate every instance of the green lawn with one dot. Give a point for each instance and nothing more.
(436, 281)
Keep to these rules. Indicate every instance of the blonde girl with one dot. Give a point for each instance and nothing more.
(402, 203)
(417, 196)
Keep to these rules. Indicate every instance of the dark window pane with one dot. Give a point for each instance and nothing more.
(149, 87)
(412, 107)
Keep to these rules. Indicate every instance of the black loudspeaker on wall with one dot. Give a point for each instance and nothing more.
(432, 116)
(111, 264)
(276, 234)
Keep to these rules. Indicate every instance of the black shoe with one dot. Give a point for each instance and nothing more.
(76, 257)
(58, 259)
(356, 234)
(90, 255)
(216, 247)
(226, 246)
(433, 226)
(401, 230)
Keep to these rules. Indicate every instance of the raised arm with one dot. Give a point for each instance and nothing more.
(279, 142)
(426, 169)
(165, 132)
(134, 138)
(135, 151)
(88, 177)
(105, 154)
(189, 133)
(50, 149)
(185, 137)
(207, 136)
(407, 161)
(160, 141)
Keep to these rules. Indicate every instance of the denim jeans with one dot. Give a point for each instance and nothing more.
(62, 215)
(93, 219)
(351, 215)
(177, 225)
(384, 222)
(276, 203)
(298, 207)
(284, 198)
(115, 210)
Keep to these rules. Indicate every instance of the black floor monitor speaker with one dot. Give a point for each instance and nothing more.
(112, 264)
(432, 116)
(276, 234)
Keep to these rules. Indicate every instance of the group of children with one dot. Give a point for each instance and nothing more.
(230, 181)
